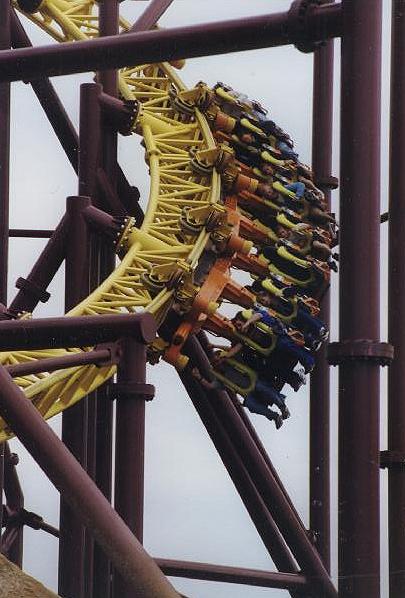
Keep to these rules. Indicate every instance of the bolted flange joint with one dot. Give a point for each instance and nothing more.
(298, 25)
(392, 460)
(33, 289)
(360, 350)
(131, 391)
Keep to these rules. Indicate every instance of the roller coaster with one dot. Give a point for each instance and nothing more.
(237, 244)
(213, 198)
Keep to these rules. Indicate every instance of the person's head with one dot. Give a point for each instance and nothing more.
(238, 321)
(263, 298)
(282, 232)
(267, 169)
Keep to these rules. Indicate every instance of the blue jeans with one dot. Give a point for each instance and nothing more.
(298, 188)
(256, 406)
(284, 343)
(265, 393)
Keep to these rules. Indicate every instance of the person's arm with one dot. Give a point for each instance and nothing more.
(252, 320)
(233, 350)
(219, 346)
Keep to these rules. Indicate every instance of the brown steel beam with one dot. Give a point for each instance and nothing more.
(33, 289)
(96, 357)
(130, 445)
(241, 478)
(396, 307)
(4, 185)
(250, 429)
(103, 262)
(250, 577)
(80, 331)
(68, 137)
(150, 16)
(319, 484)
(273, 497)
(14, 501)
(359, 371)
(63, 470)
(29, 233)
(48, 98)
(71, 569)
(165, 45)
(5, 42)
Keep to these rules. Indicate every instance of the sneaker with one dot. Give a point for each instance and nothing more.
(285, 413)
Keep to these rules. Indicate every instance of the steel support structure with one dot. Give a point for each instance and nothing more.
(240, 476)
(130, 392)
(102, 263)
(135, 49)
(359, 370)
(272, 495)
(15, 502)
(359, 23)
(78, 331)
(319, 434)
(396, 307)
(74, 420)
(250, 577)
(150, 16)
(5, 41)
(79, 490)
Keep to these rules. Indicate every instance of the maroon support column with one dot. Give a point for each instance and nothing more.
(15, 501)
(396, 305)
(4, 153)
(359, 526)
(130, 391)
(89, 161)
(4, 182)
(74, 421)
(319, 485)
(102, 263)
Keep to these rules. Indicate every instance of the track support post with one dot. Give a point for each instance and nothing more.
(130, 391)
(396, 309)
(359, 371)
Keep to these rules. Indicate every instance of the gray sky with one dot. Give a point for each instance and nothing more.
(191, 509)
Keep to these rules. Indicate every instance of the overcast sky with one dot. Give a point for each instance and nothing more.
(192, 511)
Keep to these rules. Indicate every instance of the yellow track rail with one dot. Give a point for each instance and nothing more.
(160, 241)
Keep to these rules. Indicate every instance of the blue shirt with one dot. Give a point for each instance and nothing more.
(270, 320)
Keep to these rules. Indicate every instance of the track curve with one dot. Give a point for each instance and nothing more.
(192, 217)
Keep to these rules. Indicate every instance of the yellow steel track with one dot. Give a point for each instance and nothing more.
(168, 140)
